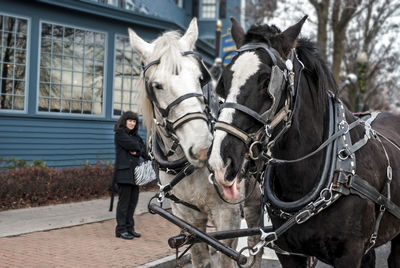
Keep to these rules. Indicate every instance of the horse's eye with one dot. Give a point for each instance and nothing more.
(156, 85)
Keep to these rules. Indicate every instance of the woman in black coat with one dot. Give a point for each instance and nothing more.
(129, 147)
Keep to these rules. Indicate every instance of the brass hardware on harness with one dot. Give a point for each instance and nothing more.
(255, 155)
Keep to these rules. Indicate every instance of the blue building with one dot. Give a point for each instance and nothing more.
(68, 72)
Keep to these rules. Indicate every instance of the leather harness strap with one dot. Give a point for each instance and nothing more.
(233, 131)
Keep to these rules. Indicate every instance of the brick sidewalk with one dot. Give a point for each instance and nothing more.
(89, 245)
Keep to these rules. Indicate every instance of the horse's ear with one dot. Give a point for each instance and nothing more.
(291, 34)
(140, 46)
(237, 32)
(190, 37)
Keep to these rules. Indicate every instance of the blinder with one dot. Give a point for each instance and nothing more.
(275, 89)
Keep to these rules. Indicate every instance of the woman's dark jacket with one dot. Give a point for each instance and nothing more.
(125, 162)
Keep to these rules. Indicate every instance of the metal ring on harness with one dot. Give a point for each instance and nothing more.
(210, 178)
(251, 152)
(343, 154)
(253, 258)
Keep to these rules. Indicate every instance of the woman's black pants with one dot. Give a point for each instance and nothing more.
(127, 201)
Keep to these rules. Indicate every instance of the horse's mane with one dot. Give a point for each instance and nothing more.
(315, 66)
(168, 50)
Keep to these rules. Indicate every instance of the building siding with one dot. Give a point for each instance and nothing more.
(57, 142)
(65, 140)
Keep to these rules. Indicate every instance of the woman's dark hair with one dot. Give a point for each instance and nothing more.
(121, 123)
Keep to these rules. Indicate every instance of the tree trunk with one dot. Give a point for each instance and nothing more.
(322, 10)
(338, 47)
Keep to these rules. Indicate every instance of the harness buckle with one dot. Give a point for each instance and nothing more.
(344, 125)
(389, 173)
(170, 171)
(303, 216)
(263, 240)
(161, 197)
(268, 131)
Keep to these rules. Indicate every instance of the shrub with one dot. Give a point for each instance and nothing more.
(38, 185)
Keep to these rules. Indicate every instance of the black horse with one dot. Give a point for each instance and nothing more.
(332, 182)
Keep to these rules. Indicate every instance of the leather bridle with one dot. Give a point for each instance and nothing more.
(172, 126)
(272, 117)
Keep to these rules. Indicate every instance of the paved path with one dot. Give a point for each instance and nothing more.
(82, 235)
(27, 220)
(89, 245)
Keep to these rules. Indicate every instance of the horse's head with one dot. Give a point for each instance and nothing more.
(172, 81)
(254, 85)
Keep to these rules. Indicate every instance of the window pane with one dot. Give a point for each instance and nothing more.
(76, 107)
(6, 86)
(8, 39)
(19, 87)
(46, 30)
(57, 32)
(66, 106)
(20, 41)
(67, 63)
(18, 103)
(78, 64)
(44, 74)
(55, 105)
(87, 107)
(8, 71)
(44, 90)
(67, 77)
(19, 72)
(97, 108)
(6, 102)
(20, 56)
(55, 91)
(76, 93)
(43, 104)
(68, 34)
(9, 24)
(73, 68)
(77, 79)
(22, 26)
(87, 93)
(66, 92)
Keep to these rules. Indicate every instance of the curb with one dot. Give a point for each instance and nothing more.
(167, 262)
(170, 262)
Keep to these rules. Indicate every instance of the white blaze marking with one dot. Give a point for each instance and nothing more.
(244, 67)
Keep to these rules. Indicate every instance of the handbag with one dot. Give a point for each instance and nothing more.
(144, 173)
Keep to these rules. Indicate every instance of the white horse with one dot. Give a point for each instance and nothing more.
(170, 87)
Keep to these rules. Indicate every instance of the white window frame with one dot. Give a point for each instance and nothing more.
(27, 63)
(216, 11)
(61, 114)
